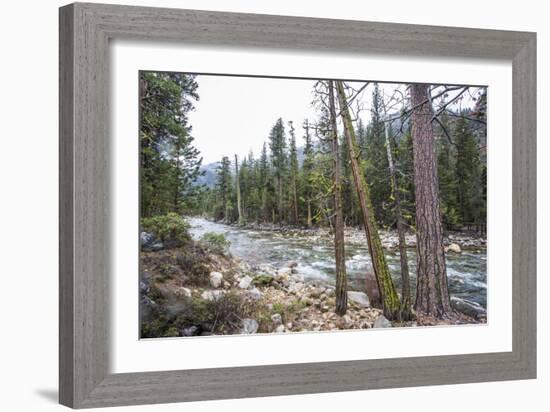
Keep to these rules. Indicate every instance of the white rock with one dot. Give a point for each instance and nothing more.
(276, 318)
(283, 272)
(245, 282)
(249, 326)
(289, 325)
(212, 294)
(255, 294)
(280, 329)
(382, 322)
(216, 279)
(295, 287)
(454, 248)
(359, 298)
(181, 291)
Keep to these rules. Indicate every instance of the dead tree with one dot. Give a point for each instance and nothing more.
(388, 295)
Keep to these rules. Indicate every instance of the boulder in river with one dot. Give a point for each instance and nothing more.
(216, 279)
(360, 298)
(454, 248)
(249, 326)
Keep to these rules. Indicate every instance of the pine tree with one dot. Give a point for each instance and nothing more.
(223, 187)
(432, 293)
(277, 145)
(169, 161)
(377, 162)
(293, 175)
(468, 174)
(307, 169)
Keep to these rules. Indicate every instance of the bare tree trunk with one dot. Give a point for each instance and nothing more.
(237, 183)
(339, 252)
(309, 213)
(432, 294)
(405, 278)
(388, 295)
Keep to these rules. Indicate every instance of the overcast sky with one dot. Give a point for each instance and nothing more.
(235, 114)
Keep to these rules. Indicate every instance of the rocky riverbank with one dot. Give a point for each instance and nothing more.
(193, 290)
(264, 299)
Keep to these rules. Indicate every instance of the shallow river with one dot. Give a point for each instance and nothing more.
(467, 272)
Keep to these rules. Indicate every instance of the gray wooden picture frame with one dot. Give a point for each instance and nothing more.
(85, 31)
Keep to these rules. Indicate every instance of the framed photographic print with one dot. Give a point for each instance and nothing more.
(257, 205)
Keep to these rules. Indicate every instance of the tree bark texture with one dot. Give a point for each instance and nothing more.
(432, 294)
(339, 252)
(388, 294)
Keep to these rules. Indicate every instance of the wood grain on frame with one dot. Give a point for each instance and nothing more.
(85, 31)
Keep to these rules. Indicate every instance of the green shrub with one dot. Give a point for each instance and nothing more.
(168, 228)
(220, 316)
(195, 263)
(216, 243)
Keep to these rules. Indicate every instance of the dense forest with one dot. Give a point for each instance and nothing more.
(414, 163)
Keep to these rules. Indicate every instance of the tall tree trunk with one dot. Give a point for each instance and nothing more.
(339, 253)
(401, 227)
(280, 194)
(238, 184)
(432, 293)
(295, 199)
(388, 295)
(309, 213)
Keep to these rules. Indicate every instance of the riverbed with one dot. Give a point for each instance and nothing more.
(467, 271)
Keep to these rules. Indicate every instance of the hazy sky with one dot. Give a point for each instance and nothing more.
(235, 114)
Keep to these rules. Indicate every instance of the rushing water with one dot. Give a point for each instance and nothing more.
(467, 272)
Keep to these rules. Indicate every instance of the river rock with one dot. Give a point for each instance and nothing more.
(255, 294)
(295, 287)
(276, 318)
(216, 279)
(280, 329)
(316, 292)
(470, 308)
(245, 282)
(190, 331)
(291, 264)
(182, 292)
(144, 286)
(249, 326)
(454, 248)
(212, 294)
(360, 298)
(382, 322)
(147, 240)
(284, 272)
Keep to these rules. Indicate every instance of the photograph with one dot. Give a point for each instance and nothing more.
(288, 205)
